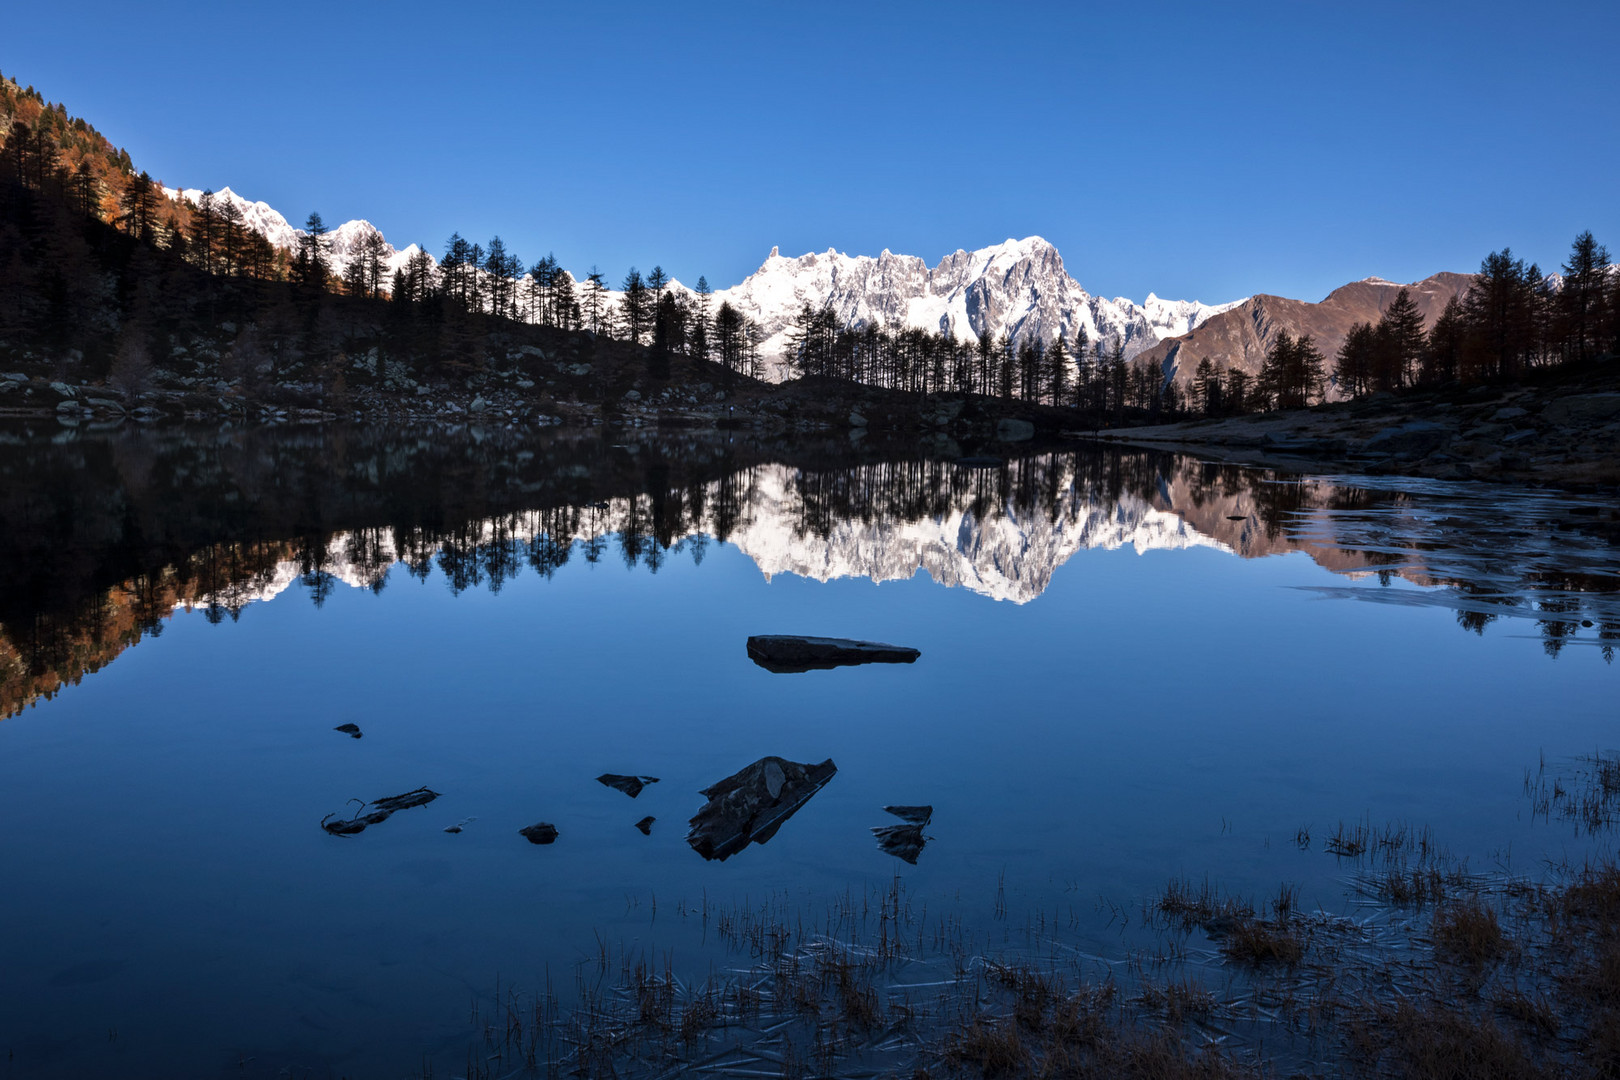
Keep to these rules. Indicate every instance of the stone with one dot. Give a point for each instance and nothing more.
(1012, 429)
(540, 833)
(1408, 440)
(1582, 408)
(64, 390)
(646, 824)
(1509, 412)
(630, 785)
(351, 730)
(524, 384)
(788, 654)
(856, 419)
(381, 810)
(751, 805)
(478, 405)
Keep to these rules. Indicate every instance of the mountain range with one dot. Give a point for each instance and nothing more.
(1019, 288)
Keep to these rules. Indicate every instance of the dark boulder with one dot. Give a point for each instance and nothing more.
(788, 653)
(750, 806)
(646, 824)
(542, 833)
(351, 730)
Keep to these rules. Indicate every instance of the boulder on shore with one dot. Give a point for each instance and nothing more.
(788, 653)
(749, 806)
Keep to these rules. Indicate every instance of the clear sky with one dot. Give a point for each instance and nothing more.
(1201, 151)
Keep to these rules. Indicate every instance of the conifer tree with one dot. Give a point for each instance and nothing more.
(1583, 299)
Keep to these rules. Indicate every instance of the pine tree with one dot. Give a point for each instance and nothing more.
(1353, 367)
(1403, 340)
(312, 261)
(1583, 299)
(634, 306)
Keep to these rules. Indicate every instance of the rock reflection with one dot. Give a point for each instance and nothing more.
(906, 841)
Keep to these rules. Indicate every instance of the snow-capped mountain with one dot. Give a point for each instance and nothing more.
(1019, 288)
(268, 222)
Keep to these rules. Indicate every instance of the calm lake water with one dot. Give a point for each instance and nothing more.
(1134, 667)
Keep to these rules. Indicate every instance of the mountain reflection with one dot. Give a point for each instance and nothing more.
(104, 538)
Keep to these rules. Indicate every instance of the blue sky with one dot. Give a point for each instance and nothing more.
(1198, 151)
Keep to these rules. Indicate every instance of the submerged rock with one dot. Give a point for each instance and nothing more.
(351, 730)
(646, 824)
(750, 806)
(541, 833)
(787, 653)
(915, 815)
(381, 810)
(630, 785)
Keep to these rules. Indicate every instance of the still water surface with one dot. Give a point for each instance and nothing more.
(1134, 667)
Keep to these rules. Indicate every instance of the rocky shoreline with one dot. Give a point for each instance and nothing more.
(1560, 434)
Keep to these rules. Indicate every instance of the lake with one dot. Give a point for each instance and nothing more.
(1135, 667)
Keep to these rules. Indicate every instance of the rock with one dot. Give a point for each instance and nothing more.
(381, 810)
(1509, 412)
(68, 406)
(630, 785)
(524, 384)
(13, 376)
(632, 395)
(1408, 440)
(1577, 408)
(422, 391)
(856, 419)
(646, 824)
(64, 390)
(1520, 436)
(913, 815)
(742, 808)
(478, 405)
(1012, 429)
(542, 833)
(787, 653)
(351, 730)
(105, 403)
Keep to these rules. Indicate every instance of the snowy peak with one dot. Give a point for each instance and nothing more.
(1017, 287)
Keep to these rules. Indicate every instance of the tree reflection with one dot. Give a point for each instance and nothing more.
(105, 540)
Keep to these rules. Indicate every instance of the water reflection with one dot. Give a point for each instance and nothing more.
(105, 538)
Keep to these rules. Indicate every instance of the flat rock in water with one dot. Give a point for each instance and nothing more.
(788, 653)
(750, 806)
(381, 810)
(351, 730)
(630, 785)
(646, 824)
(542, 833)
(915, 815)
